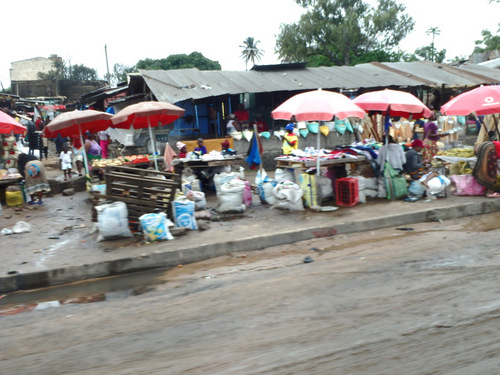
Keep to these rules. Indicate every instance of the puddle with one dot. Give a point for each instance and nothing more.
(89, 291)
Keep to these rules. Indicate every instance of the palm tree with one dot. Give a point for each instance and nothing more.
(433, 31)
(250, 51)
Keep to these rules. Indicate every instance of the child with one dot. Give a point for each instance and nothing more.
(66, 162)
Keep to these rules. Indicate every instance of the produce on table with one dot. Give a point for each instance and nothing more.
(121, 160)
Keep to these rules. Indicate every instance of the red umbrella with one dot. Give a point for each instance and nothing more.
(393, 102)
(75, 123)
(9, 125)
(483, 100)
(318, 105)
(146, 115)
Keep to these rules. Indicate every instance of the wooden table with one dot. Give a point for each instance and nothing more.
(236, 160)
(304, 164)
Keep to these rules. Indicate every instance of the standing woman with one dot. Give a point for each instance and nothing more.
(290, 140)
(431, 136)
(35, 179)
(92, 148)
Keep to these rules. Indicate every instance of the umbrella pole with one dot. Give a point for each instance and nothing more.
(318, 143)
(86, 160)
(152, 144)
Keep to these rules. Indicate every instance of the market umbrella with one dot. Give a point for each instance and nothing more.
(147, 115)
(9, 125)
(75, 123)
(317, 105)
(483, 100)
(393, 103)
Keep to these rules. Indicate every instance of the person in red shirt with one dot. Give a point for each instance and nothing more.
(261, 124)
(242, 114)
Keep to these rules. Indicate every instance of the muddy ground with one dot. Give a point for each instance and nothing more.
(424, 300)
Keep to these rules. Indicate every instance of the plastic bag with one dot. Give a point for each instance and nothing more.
(265, 187)
(288, 196)
(220, 178)
(467, 185)
(416, 189)
(395, 184)
(21, 227)
(282, 175)
(184, 213)
(155, 227)
(112, 221)
(198, 197)
(247, 194)
(230, 196)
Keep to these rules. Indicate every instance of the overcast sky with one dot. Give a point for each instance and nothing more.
(134, 30)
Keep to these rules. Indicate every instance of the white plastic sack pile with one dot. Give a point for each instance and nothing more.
(198, 197)
(288, 196)
(436, 185)
(265, 187)
(230, 196)
(220, 178)
(155, 227)
(184, 213)
(368, 188)
(112, 221)
(282, 175)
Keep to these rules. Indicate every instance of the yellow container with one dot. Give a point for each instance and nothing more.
(14, 198)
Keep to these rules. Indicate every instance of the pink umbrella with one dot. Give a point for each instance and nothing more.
(318, 105)
(483, 100)
(146, 115)
(8, 125)
(394, 103)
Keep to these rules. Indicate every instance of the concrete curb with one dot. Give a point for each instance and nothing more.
(190, 254)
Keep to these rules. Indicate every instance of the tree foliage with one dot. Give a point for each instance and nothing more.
(180, 61)
(251, 51)
(63, 70)
(342, 32)
(489, 42)
(120, 72)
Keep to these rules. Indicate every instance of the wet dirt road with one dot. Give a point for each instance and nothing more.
(419, 300)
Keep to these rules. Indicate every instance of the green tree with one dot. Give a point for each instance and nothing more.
(429, 53)
(120, 72)
(489, 42)
(180, 61)
(64, 70)
(82, 73)
(433, 31)
(250, 51)
(342, 32)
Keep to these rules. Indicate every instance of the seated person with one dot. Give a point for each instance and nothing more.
(182, 150)
(201, 149)
(261, 124)
(393, 153)
(414, 165)
(232, 125)
(226, 150)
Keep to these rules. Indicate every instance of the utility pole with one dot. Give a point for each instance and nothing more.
(107, 65)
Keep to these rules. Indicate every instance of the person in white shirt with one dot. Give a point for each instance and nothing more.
(232, 125)
(393, 153)
(66, 166)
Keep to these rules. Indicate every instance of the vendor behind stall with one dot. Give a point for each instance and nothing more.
(201, 149)
(414, 165)
(290, 140)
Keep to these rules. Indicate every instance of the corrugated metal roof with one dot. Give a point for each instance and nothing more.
(192, 84)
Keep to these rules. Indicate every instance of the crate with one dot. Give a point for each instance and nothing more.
(143, 190)
(347, 191)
